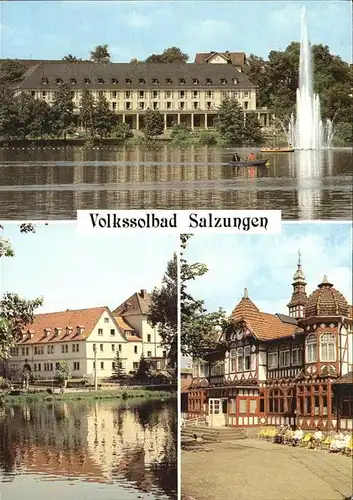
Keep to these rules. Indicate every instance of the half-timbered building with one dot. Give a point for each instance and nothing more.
(274, 369)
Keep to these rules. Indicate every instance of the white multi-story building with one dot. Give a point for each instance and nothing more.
(184, 93)
(88, 340)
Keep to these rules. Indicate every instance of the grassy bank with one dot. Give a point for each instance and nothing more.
(86, 396)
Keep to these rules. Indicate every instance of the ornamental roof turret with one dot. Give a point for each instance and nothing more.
(326, 301)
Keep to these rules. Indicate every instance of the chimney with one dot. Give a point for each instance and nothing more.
(143, 293)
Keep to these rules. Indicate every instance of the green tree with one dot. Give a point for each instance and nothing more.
(122, 132)
(170, 55)
(277, 79)
(87, 112)
(62, 373)
(32, 116)
(252, 129)
(230, 121)
(163, 310)
(143, 371)
(200, 330)
(103, 117)
(154, 124)
(343, 134)
(70, 58)
(100, 54)
(118, 366)
(62, 112)
(11, 71)
(8, 114)
(256, 69)
(16, 313)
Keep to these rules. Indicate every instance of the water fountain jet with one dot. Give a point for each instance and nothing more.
(306, 130)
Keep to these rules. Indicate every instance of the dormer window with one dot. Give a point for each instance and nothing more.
(69, 330)
(182, 81)
(142, 81)
(168, 81)
(87, 81)
(73, 81)
(59, 81)
(114, 81)
(155, 81)
(45, 81)
(223, 81)
(195, 81)
(235, 81)
(208, 81)
(128, 81)
(100, 81)
(57, 331)
(47, 332)
(79, 329)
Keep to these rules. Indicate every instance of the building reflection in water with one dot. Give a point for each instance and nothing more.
(55, 183)
(101, 442)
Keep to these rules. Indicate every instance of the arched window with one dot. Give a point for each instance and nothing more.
(240, 357)
(272, 357)
(327, 347)
(311, 349)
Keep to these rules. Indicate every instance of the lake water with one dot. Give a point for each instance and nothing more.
(54, 183)
(97, 450)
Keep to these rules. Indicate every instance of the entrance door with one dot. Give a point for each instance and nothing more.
(217, 411)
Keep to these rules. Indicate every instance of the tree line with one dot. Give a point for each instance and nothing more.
(24, 117)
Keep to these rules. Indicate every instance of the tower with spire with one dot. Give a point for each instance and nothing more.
(299, 298)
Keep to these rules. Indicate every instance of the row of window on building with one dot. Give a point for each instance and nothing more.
(155, 94)
(277, 356)
(141, 81)
(40, 350)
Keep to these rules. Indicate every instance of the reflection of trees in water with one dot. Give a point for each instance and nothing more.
(132, 442)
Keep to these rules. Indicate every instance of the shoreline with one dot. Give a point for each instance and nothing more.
(86, 396)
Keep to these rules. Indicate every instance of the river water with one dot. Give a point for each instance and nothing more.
(53, 183)
(97, 450)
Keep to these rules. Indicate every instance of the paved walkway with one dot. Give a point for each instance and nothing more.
(251, 469)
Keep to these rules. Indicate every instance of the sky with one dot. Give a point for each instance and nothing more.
(51, 30)
(72, 271)
(266, 264)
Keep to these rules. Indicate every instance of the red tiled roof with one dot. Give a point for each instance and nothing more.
(85, 318)
(123, 324)
(130, 333)
(345, 379)
(264, 326)
(138, 303)
(235, 58)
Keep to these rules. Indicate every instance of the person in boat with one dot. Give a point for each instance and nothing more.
(252, 156)
(236, 157)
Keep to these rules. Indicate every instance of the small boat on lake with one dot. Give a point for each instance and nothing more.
(277, 150)
(248, 163)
